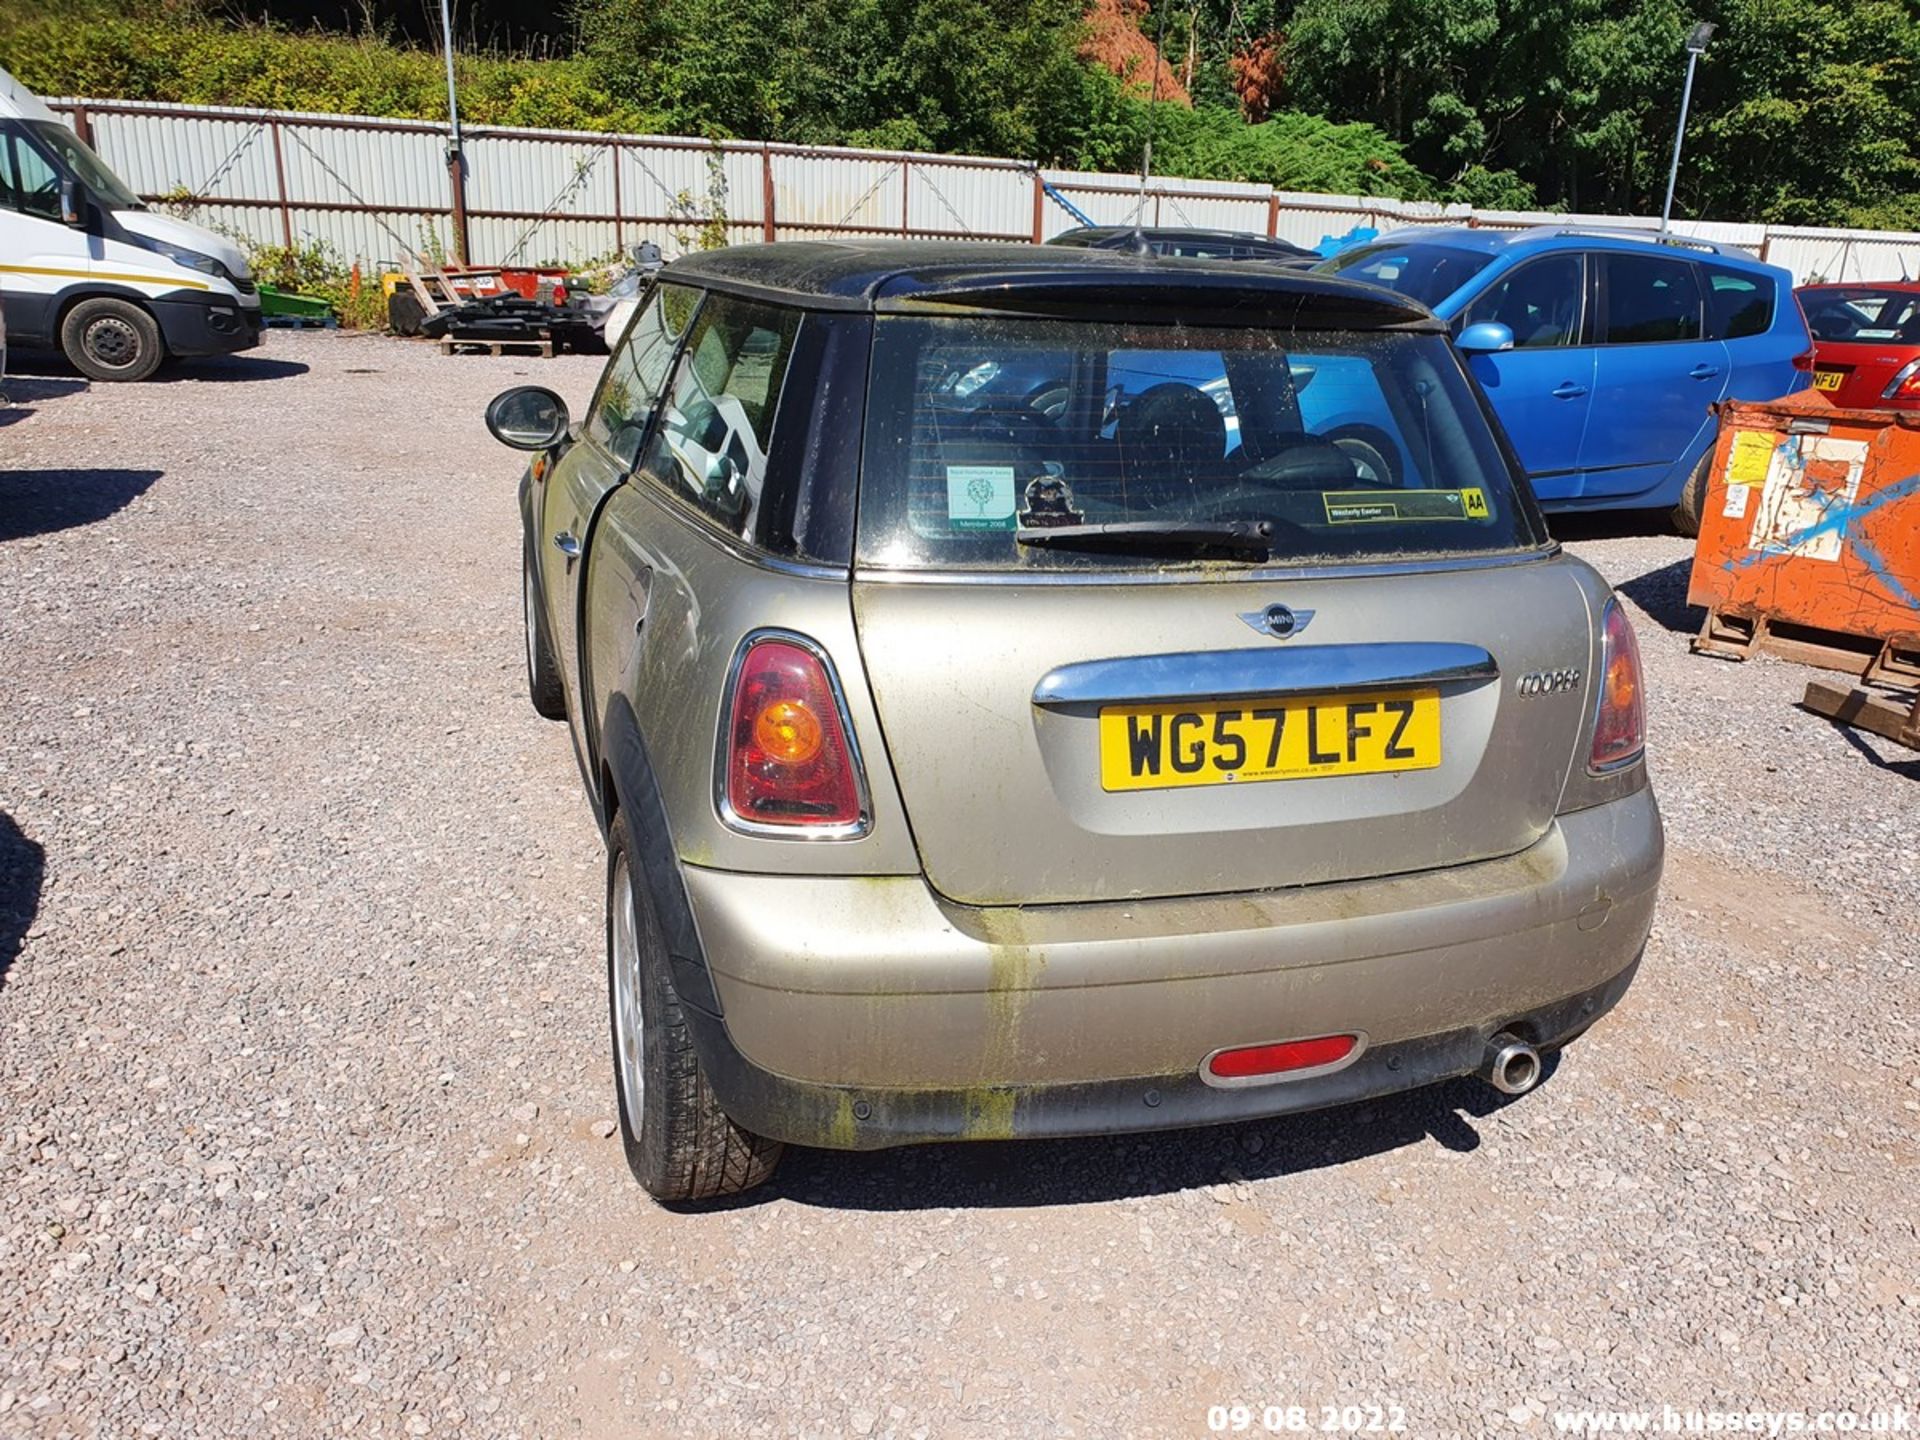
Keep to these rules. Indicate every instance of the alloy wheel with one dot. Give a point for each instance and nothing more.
(624, 944)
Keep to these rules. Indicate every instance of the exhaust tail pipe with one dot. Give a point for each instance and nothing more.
(1511, 1065)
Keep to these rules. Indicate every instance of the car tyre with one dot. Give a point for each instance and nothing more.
(543, 673)
(1374, 456)
(1693, 498)
(680, 1144)
(109, 339)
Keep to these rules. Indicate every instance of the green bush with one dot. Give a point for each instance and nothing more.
(316, 269)
(145, 55)
(1290, 151)
(992, 76)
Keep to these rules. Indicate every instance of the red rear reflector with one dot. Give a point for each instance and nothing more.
(787, 761)
(1251, 1060)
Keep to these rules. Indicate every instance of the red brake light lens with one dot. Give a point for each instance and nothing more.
(1252, 1061)
(1620, 720)
(786, 757)
(1803, 362)
(1905, 384)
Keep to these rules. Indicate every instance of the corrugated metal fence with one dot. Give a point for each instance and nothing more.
(376, 190)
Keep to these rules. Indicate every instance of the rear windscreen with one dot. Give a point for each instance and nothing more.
(1865, 315)
(1349, 444)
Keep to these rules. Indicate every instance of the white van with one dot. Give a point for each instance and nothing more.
(86, 268)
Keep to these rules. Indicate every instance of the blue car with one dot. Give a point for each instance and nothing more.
(1603, 351)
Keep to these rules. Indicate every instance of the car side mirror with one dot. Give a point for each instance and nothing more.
(73, 206)
(723, 476)
(1486, 338)
(528, 417)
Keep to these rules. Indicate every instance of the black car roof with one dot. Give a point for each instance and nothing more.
(894, 275)
(1120, 234)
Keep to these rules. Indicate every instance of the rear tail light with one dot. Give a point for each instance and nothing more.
(1803, 362)
(787, 760)
(1620, 717)
(1296, 1058)
(1905, 384)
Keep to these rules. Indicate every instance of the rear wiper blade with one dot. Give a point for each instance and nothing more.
(1238, 539)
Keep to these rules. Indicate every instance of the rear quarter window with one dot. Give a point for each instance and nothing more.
(1351, 444)
(1738, 302)
(711, 441)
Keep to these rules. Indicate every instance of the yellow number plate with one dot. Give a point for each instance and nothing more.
(1153, 747)
(1827, 379)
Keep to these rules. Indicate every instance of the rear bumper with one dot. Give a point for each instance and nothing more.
(207, 325)
(861, 1013)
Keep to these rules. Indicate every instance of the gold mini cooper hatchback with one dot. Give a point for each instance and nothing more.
(1034, 692)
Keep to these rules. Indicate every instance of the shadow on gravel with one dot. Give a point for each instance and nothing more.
(1908, 768)
(1662, 594)
(39, 502)
(24, 393)
(1028, 1173)
(220, 368)
(23, 865)
(1610, 524)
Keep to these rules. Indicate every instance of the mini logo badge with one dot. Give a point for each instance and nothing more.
(1549, 682)
(1279, 621)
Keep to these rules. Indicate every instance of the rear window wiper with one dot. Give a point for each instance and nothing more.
(1234, 539)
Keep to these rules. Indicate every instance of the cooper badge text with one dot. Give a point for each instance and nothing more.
(1549, 682)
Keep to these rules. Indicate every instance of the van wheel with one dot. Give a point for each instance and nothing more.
(680, 1144)
(112, 340)
(543, 673)
(1693, 498)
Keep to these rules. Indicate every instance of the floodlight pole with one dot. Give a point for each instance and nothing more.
(456, 155)
(1153, 94)
(1696, 45)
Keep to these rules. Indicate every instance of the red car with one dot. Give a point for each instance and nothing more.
(1866, 342)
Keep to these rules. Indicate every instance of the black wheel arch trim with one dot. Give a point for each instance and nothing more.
(68, 296)
(43, 314)
(531, 559)
(636, 802)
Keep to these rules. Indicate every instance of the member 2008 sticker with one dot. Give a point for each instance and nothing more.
(980, 497)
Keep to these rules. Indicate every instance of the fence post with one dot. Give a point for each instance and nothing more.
(619, 233)
(1273, 214)
(82, 126)
(766, 193)
(280, 174)
(457, 181)
(906, 194)
(1039, 206)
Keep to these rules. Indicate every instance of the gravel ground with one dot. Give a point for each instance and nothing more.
(304, 1095)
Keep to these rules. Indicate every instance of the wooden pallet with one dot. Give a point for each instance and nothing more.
(543, 348)
(1895, 718)
(1871, 657)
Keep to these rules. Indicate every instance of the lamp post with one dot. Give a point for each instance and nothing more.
(1696, 46)
(456, 155)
